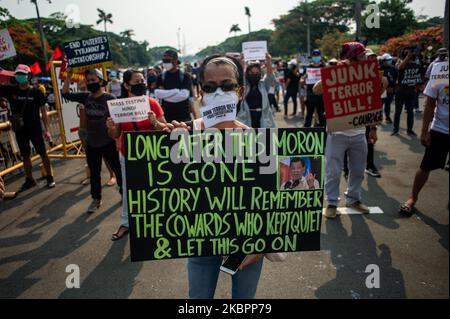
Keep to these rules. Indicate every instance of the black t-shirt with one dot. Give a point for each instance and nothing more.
(391, 74)
(409, 77)
(294, 79)
(31, 114)
(97, 112)
(176, 111)
(254, 100)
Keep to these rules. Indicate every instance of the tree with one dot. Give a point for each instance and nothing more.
(127, 34)
(324, 17)
(330, 44)
(396, 18)
(235, 28)
(249, 15)
(104, 17)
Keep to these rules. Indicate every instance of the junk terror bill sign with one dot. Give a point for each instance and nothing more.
(352, 95)
(217, 192)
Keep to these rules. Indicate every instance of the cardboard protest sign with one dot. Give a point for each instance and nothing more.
(219, 112)
(255, 50)
(439, 74)
(76, 77)
(313, 75)
(88, 53)
(352, 95)
(7, 49)
(133, 109)
(208, 194)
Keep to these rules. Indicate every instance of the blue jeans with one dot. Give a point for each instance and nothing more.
(356, 148)
(203, 273)
(387, 104)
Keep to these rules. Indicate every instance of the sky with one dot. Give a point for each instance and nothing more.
(198, 23)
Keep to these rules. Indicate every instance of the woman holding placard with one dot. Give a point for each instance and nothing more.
(98, 143)
(134, 84)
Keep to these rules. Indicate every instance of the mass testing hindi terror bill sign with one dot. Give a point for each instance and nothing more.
(223, 192)
(254, 50)
(7, 49)
(133, 109)
(88, 53)
(352, 95)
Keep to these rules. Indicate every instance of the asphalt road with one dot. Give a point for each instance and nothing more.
(43, 231)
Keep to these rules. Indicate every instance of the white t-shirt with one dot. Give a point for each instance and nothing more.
(440, 93)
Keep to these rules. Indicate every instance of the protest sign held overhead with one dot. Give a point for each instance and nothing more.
(216, 193)
(352, 95)
(255, 50)
(439, 74)
(133, 109)
(88, 53)
(7, 49)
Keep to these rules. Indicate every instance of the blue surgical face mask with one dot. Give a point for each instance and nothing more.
(316, 59)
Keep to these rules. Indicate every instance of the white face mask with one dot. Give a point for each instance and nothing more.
(168, 66)
(218, 107)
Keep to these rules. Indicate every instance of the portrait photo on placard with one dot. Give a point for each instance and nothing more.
(300, 173)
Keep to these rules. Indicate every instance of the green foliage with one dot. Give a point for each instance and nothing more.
(396, 18)
(330, 44)
(325, 17)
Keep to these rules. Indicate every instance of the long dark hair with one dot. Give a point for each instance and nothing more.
(127, 76)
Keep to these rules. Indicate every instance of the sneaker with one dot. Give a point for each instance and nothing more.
(373, 172)
(388, 120)
(50, 182)
(412, 134)
(359, 207)
(95, 205)
(29, 183)
(330, 212)
(395, 133)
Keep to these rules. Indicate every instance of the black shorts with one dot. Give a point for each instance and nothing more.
(24, 138)
(436, 155)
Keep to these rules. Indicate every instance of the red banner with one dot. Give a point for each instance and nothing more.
(352, 95)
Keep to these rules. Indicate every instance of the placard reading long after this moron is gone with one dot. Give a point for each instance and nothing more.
(183, 205)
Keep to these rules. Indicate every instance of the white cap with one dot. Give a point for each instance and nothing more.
(386, 56)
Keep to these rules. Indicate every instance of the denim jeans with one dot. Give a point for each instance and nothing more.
(94, 157)
(124, 211)
(290, 93)
(356, 148)
(203, 273)
(387, 104)
(408, 101)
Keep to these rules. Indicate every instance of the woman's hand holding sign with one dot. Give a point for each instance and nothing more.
(250, 260)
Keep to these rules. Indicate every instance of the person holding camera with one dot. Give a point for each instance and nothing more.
(27, 105)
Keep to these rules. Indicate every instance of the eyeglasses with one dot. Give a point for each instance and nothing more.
(226, 87)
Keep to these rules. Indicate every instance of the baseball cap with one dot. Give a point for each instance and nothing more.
(98, 73)
(316, 52)
(173, 54)
(23, 69)
(386, 57)
(352, 50)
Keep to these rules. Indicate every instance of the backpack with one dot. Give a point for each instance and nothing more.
(181, 74)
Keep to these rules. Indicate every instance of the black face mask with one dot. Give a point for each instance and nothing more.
(138, 89)
(254, 79)
(93, 87)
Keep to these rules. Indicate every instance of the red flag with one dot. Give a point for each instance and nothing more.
(57, 54)
(35, 68)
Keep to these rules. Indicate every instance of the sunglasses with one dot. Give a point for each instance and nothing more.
(226, 87)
